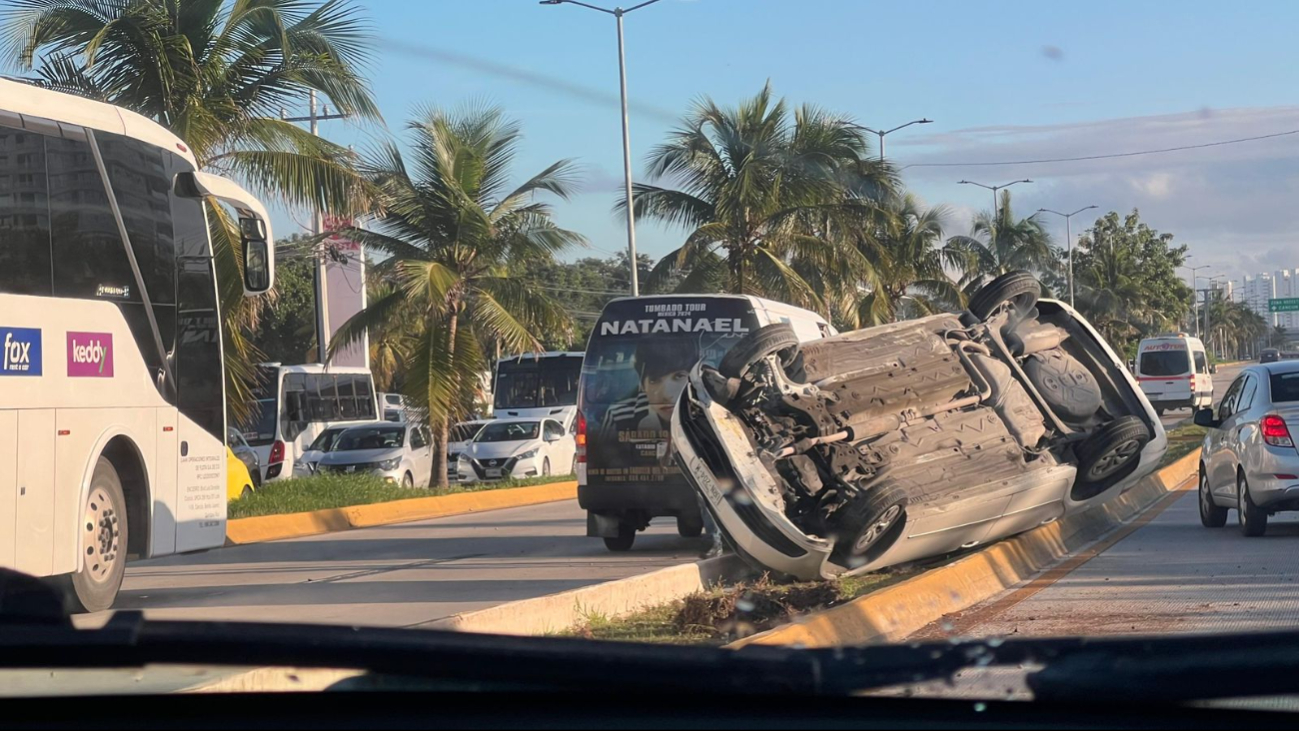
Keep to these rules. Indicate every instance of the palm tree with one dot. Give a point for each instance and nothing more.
(761, 192)
(216, 73)
(998, 243)
(909, 263)
(455, 230)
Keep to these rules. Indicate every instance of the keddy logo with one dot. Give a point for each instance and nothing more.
(90, 355)
(20, 351)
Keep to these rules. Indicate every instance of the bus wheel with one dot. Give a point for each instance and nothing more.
(104, 539)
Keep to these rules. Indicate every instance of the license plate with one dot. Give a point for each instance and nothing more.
(493, 473)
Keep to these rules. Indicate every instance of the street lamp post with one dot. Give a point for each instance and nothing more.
(1195, 296)
(618, 13)
(1068, 233)
(994, 189)
(883, 133)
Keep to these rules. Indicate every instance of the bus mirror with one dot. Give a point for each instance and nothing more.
(257, 254)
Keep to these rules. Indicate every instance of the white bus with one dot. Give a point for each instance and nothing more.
(296, 403)
(112, 391)
(535, 386)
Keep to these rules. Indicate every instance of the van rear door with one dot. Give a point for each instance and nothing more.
(1164, 371)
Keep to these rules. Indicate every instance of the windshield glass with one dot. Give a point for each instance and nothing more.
(369, 437)
(1164, 363)
(513, 431)
(926, 315)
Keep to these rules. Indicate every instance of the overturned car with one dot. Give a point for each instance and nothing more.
(912, 440)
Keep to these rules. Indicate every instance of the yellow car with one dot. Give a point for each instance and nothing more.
(239, 481)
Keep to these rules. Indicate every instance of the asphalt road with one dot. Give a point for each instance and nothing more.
(402, 575)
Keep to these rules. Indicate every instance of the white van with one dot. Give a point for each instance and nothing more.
(637, 363)
(1174, 372)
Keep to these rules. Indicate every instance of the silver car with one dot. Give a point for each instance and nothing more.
(1249, 462)
(915, 439)
(399, 453)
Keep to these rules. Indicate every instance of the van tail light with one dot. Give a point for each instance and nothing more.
(1275, 431)
(277, 453)
(581, 438)
(1195, 385)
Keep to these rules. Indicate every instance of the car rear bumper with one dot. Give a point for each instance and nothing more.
(1276, 493)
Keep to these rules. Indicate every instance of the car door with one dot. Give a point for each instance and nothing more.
(421, 455)
(1222, 471)
(1244, 422)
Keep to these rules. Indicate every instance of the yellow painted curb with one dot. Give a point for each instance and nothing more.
(894, 613)
(295, 525)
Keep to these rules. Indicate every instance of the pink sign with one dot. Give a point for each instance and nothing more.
(90, 355)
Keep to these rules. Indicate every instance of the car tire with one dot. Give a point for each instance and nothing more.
(1253, 519)
(545, 467)
(1019, 289)
(1108, 456)
(1211, 515)
(869, 526)
(622, 542)
(408, 481)
(106, 534)
(757, 345)
(690, 526)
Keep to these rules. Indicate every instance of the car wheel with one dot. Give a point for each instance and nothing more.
(1253, 519)
(622, 542)
(869, 526)
(1017, 290)
(1160, 412)
(1211, 516)
(105, 537)
(757, 345)
(408, 480)
(690, 526)
(545, 467)
(1108, 456)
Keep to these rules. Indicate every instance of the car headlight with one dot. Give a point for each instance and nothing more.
(528, 454)
(390, 464)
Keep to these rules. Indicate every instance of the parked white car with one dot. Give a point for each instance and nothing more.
(305, 464)
(399, 453)
(461, 436)
(507, 449)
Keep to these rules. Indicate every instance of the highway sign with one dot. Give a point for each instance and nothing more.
(1283, 305)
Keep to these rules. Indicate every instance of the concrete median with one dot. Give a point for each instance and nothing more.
(297, 525)
(894, 613)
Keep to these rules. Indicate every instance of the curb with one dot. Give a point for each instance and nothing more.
(297, 525)
(894, 613)
(612, 599)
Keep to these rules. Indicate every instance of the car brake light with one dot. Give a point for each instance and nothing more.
(277, 453)
(581, 438)
(1275, 431)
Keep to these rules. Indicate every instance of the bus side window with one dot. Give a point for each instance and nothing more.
(25, 217)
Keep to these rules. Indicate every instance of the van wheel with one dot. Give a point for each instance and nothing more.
(1108, 456)
(1017, 290)
(104, 537)
(870, 526)
(757, 345)
(691, 526)
(623, 541)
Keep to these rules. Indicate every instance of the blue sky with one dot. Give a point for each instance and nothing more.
(1003, 80)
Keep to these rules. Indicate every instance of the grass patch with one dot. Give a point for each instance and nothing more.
(727, 614)
(323, 492)
(1182, 441)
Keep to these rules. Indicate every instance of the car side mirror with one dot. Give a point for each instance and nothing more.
(1205, 418)
(552, 438)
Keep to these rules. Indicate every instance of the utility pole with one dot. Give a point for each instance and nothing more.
(882, 133)
(323, 331)
(994, 189)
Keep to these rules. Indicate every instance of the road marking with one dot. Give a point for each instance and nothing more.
(965, 624)
(389, 569)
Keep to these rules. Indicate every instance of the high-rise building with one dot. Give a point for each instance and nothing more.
(1257, 291)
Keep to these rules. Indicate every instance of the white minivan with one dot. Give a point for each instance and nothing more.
(1174, 372)
(637, 363)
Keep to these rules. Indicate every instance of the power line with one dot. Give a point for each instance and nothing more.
(1103, 157)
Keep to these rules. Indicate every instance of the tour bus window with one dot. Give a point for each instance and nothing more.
(24, 214)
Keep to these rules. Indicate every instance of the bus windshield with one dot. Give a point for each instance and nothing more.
(529, 383)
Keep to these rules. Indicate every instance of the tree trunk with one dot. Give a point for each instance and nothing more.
(442, 432)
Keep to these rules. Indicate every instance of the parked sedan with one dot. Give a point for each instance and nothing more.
(912, 440)
(461, 436)
(399, 453)
(1249, 462)
(506, 449)
(324, 443)
(247, 455)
